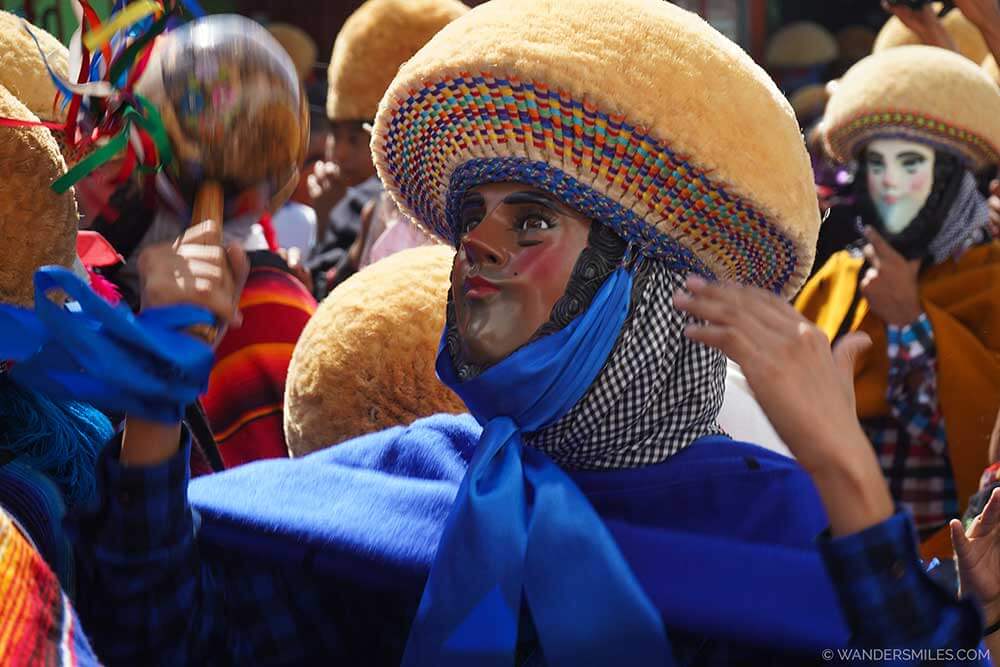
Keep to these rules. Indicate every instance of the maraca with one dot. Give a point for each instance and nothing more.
(238, 122)
(230, 100)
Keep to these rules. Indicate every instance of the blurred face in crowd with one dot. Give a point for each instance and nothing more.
(900, 178)
(348, 146)
(516, 253)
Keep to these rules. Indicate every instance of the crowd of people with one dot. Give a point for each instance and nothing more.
(580, 339)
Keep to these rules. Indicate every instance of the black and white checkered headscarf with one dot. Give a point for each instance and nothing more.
(658, 392)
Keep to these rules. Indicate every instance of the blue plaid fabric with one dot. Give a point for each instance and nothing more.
(151, 594)
(910, 441)
(888, 599)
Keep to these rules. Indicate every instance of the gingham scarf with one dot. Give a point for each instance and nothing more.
(965, 225)
(658, 392)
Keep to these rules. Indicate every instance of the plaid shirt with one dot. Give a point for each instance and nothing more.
(151, 594)
(910, 441)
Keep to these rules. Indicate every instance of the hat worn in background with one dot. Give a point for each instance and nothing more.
(967, 37)
(809, 102)
(365, 361)
(638, 114)
(374, 41)
(300, 46)
(922, 93)
(801, 44)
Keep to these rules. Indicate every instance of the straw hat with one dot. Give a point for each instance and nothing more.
(37, 226)
(636, 113)
(923, 93)
(801, 44)
(300, 46)
(375, 40)
(365, 361)
(22, 70)
(990, 66)
(967, 37)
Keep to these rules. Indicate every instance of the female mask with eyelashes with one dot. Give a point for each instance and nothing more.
(908, 189)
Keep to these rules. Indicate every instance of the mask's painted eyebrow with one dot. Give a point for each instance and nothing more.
(535, 197)
(472, 201)
(874, 155)
(911, 155)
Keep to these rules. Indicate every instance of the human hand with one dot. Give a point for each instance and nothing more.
(805, 389)
(195, 270)
(890, 285)
(978, 553)
(924, 22)
(325, 189)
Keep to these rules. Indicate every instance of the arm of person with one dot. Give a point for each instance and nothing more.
(985, 15)
(924, 23)
(146, 589)
(142, 588)
(807, 392)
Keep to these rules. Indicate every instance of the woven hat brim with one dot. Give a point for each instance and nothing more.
(469, 128)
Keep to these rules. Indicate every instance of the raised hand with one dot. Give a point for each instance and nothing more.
(890, 285)
(978, 553)
(195, 270)
(806, 390)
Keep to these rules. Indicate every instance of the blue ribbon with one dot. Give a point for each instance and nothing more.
(520, 524)
(88, 350)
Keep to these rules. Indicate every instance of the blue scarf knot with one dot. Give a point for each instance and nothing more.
(519, 525)
(145, 365)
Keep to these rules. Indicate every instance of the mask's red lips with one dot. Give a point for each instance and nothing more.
(477, 287)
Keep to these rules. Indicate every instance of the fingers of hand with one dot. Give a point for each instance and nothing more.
(871, 276)
(958, 539)
(207, 232)
(734, 316)
(871, 255)
(882, 248)
(847, 350)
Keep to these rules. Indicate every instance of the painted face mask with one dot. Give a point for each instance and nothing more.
(514, 277)
(900, 177)
(908, 189)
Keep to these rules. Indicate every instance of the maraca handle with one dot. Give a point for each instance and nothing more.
(208, 205)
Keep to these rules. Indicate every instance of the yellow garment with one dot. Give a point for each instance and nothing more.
(962, 301)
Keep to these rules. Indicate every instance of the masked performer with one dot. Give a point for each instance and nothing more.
(921, 284)
(582, 157)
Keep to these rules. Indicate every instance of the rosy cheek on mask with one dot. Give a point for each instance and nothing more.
(919, 183)
(538, 263)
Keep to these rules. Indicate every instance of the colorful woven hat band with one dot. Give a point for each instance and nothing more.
(469, 129)
(847, 140)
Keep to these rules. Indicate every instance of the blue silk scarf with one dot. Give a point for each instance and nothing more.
(145, 365)
(520, 525)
